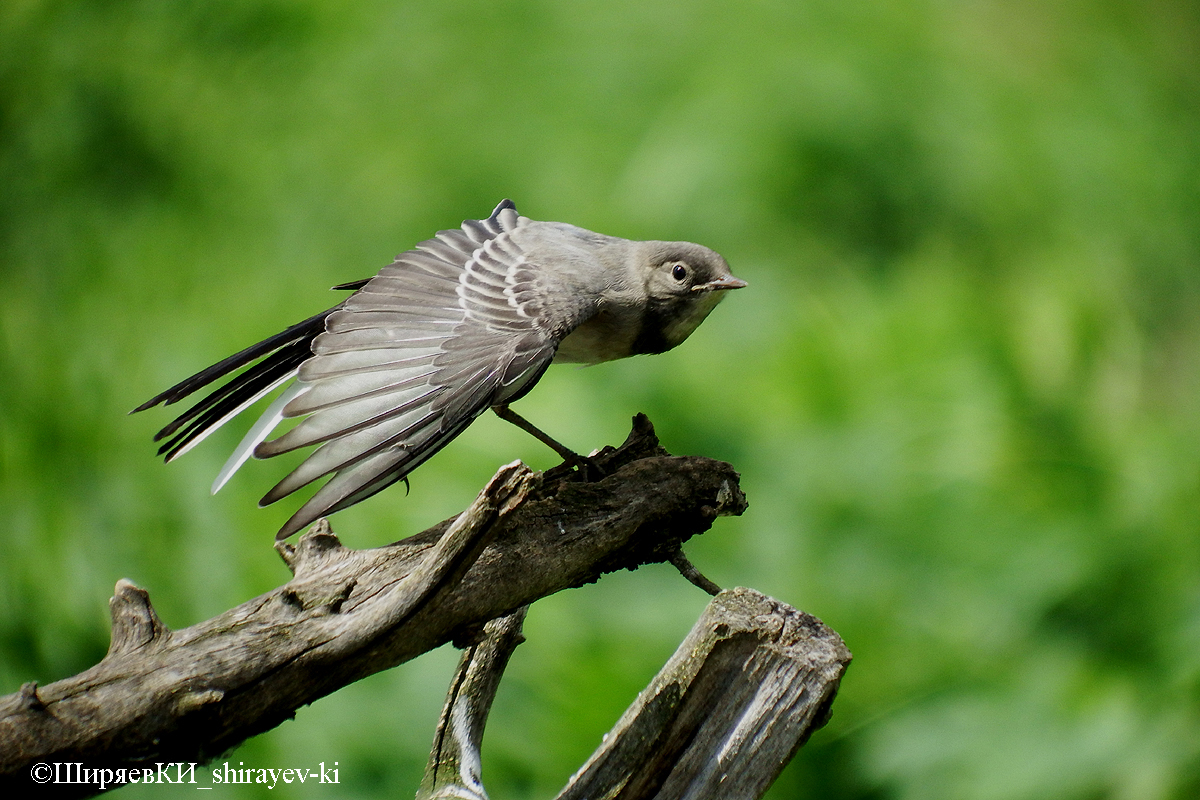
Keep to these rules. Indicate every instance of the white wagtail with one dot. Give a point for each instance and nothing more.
(466, 321)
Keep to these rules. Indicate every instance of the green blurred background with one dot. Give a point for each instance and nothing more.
(963, 389)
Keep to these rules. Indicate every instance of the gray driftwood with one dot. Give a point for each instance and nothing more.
(746, 688)
(455, 768)
(195, 693)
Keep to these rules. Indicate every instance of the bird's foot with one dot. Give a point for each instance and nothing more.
(588, 468)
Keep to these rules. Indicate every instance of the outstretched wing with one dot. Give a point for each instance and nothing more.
(388, 377)
(452, 327)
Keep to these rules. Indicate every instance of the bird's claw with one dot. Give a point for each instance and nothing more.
(585, 468)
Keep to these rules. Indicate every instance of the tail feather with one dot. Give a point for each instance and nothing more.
(256, 386)
(259, 431)
(306, 330)
(278, 358)
(286, 355)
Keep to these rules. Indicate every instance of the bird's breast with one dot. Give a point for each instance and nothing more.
(604, 337)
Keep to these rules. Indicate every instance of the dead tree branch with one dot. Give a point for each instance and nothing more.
(746, 688)
(454, 771)
(192, 694)
(743, 692)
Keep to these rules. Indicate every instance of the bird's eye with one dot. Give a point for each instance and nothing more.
(679, 272)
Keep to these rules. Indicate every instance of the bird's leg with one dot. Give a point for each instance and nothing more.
(585, 465)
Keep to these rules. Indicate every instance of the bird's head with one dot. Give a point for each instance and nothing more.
(684, 282)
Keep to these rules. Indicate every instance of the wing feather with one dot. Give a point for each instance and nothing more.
(388, 377)
(258, 431)
(357, 361)
(343, 453)
(373, 339)
(327, 394)
(350, 416)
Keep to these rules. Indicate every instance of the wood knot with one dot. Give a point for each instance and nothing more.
(318, 599)
(316, 549)
(195, 700)
(29, 699)
(135, 624)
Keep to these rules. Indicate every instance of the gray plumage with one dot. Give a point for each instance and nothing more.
(465, 321)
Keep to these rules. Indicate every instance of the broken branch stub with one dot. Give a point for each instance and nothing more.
(746, 688)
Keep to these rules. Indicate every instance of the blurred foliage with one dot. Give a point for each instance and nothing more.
(963, 389)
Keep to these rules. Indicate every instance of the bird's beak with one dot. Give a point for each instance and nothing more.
(728, 282)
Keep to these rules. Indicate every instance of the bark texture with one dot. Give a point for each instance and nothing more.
(746, 688)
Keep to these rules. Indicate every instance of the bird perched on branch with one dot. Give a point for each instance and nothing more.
(466, 321)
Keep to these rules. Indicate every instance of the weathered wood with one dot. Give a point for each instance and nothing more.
(745, 690)
(679, 560)
(192, 694)
(454, 770)
(748, 686)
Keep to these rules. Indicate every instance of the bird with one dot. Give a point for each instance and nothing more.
(465, 321)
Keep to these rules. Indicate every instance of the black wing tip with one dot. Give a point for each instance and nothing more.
(505, 203)
(152, 402)
(173, 395)
(350, 285)
(296, 524)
